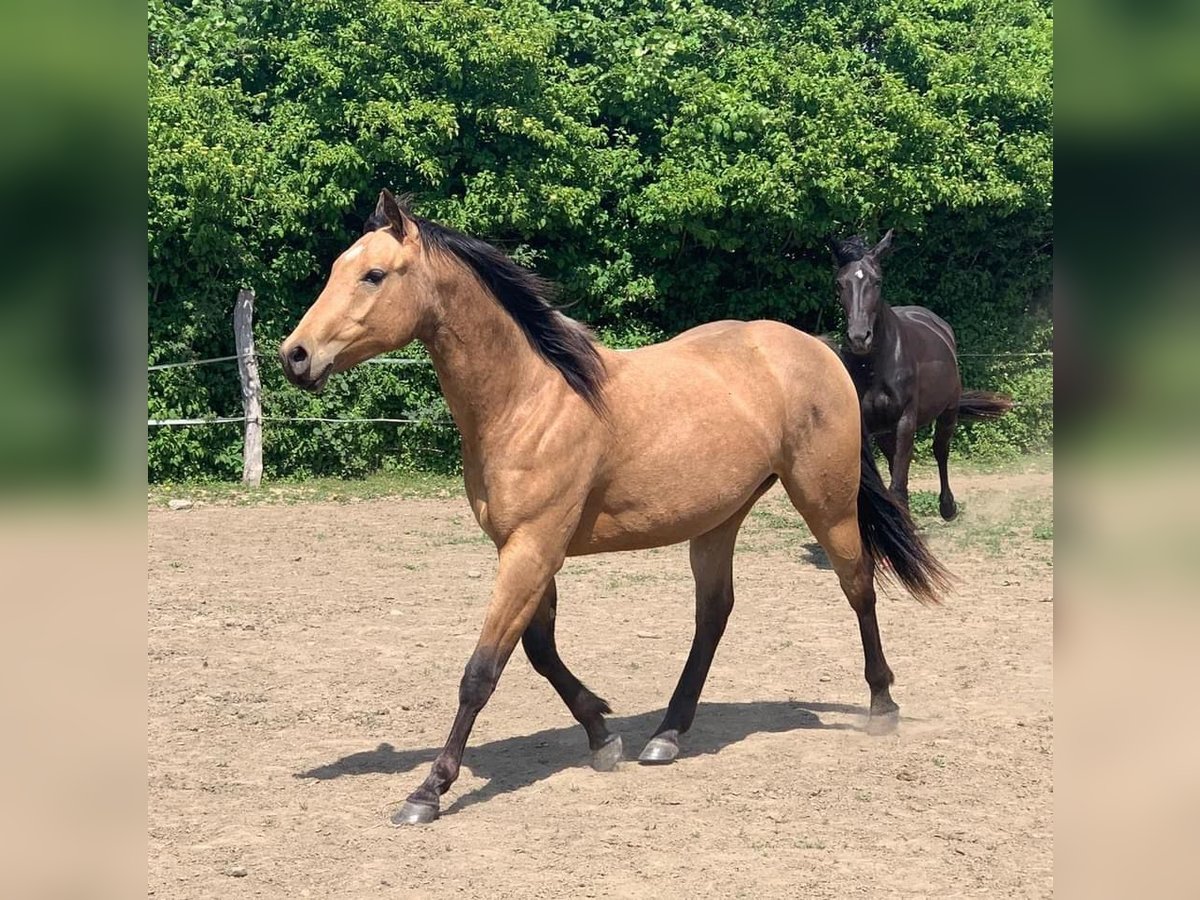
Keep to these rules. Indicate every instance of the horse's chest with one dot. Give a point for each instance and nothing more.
(880, 408)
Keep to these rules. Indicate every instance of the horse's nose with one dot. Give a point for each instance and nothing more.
(294, 359)
(860, 341)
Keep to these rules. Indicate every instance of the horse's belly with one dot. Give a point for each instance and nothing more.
(663, 509)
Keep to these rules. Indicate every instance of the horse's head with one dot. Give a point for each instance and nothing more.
(375, 300)
(859, 284)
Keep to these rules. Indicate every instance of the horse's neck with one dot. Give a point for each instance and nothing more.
(871, 369)
(887, 329)
(483, 360)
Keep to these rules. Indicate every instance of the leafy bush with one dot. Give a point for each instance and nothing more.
(668, 162)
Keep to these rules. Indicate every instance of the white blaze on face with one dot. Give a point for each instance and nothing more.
(354, 251)
(858, 273)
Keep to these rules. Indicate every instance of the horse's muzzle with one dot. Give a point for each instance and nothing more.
(298, 369)
(860, 341)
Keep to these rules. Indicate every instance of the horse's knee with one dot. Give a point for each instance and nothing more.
(478, 681)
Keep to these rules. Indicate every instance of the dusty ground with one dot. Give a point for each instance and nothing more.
(304, 662)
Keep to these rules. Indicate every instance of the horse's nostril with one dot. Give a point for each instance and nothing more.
(297, 355)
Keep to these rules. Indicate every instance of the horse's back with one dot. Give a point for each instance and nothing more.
(764, 378)
(930, 321)
(804, 367)
(698, 423)
(773, 342)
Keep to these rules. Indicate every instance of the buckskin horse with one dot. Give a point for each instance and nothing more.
(570, 448)
(904, 363)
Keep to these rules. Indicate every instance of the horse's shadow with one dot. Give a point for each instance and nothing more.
(517, 762)
(817, 556)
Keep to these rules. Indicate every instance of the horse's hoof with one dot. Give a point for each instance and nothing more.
(606, 758)
(948, 509)
(659, 751)
(880, 723)
(414, 814)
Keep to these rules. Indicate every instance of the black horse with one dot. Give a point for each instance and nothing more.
(904, 362)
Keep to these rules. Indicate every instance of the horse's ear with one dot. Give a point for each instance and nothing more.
(389, 209)
(884, 247)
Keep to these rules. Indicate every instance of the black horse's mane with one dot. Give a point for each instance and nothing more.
(850, 250)
(528, 298)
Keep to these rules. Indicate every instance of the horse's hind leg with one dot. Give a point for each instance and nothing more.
(943, 431)
(833, 519)
(586, 707)
(712, 567)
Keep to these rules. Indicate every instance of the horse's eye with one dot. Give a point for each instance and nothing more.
(375, 276)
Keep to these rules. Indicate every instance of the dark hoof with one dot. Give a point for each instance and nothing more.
(948, 509)
(414, 814)
(880, 723)
(606, 758)
(660, 750)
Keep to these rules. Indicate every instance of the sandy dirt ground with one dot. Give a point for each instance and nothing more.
(303, 671)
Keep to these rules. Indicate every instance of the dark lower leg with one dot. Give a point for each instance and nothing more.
(478, 682)
(857, 577)
(712, 567)
(887, 443)
(879, 676)
(905, 433)
(710, 625)
(943, 431)
(526, 567)
(538, 640)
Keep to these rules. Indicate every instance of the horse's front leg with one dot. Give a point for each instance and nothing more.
(906, 431)
(525, 569)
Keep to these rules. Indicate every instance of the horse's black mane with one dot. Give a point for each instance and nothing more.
(528, 298)
(849, 250)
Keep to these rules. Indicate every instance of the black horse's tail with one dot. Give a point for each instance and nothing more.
(891, 538)
(983, 405)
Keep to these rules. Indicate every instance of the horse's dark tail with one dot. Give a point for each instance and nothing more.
(891, 538)
(983, 405)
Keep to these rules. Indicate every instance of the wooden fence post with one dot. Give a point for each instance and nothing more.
(243, 332)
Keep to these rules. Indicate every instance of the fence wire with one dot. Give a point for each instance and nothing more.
(400, 361)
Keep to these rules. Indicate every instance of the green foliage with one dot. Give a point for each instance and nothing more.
(924, 504)
(668, 162)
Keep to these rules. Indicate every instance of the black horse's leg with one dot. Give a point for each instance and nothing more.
(906, 430)
(943, 431)
(586, 707)
(523, 574)
(712, 566)
(887, 443)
